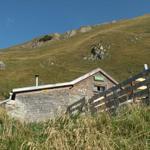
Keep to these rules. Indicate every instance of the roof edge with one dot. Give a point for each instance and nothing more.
(65, 84)
(40, 87)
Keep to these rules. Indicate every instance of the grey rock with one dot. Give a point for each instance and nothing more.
(98, 52)
(56, 36)
(69, 34)
(85, 29)
(85, 58)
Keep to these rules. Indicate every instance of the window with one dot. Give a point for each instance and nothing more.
(99, 89)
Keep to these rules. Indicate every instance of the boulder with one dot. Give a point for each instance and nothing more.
(56, 36)
(71, 33)
(85, 29)
(98, 52)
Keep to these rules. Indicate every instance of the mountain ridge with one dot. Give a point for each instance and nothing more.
(78, 30)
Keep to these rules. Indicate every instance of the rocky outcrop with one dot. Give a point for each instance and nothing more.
(44, 39)
(56, 36)
(85, 29)
(38, 42)
(72, 33)
(98, 52)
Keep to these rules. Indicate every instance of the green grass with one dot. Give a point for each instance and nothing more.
(126, 55)
(128, 130)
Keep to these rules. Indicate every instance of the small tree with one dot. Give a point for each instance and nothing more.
(45, 38)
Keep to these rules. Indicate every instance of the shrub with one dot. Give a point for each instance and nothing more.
(45, 38)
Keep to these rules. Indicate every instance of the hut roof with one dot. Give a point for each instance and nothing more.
(65, 84)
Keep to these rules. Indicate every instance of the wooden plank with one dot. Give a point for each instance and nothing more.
(77, 102)
(139, 84)
(141, 93)
(92, 109)
(97, 103)
(145, 100)
(110, 103)
(123, 99)
(96, 108)
(94, 97)
(97, 99)
(77, 105)
(79, 109)
(110, 109)
(126, 102)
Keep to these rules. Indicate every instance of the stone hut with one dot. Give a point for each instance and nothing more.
(42, 102)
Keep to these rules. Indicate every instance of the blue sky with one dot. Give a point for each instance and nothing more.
(22, 20)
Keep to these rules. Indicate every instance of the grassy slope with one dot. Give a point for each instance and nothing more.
(128, 130)
(127, 55)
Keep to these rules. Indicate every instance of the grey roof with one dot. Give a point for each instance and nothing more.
(65, 84)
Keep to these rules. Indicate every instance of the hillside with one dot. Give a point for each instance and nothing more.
(66, 56)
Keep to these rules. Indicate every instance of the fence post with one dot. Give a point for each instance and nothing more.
(87, 105)
(116, 99)
(90, 105)
(105, 101)
(148, 98)
(132, 92)
(116, 102)
(148, 85)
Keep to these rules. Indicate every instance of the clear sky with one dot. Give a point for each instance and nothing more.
(22, 20)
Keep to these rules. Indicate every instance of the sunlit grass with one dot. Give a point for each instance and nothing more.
(128, 130)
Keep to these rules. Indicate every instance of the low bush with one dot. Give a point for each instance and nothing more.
(45, 38)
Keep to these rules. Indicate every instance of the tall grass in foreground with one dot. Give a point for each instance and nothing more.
(128, 130)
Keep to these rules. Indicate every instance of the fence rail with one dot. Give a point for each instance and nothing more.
(136, 87)
(77, 106)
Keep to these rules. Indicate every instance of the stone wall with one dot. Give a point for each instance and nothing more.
(83, 88)
(41, 105)
(86, 86)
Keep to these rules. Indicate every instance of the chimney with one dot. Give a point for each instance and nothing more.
(10, 96)
(36, 80)
(145, 67)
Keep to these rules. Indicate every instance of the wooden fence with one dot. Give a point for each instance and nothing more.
(134, 89)
(77, 107)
